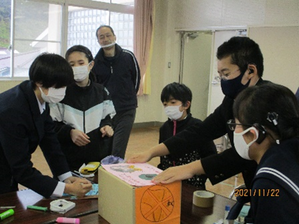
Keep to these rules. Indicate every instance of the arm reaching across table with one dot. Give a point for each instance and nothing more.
(158, 150)
(177, 173)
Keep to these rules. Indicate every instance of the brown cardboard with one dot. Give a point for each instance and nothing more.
(121, 203)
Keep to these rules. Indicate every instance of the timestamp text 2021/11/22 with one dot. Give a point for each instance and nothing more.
(257, 192)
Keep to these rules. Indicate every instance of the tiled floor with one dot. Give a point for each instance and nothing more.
(142, 139)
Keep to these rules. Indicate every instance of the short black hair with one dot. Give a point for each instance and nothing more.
(178, 92)
(243, 51)
(51, 70)
(79, 48)
(107, 26)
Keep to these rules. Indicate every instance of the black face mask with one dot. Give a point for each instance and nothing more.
(233, 87)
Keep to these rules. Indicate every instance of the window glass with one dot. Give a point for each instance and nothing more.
(123, 2)
(37, 30)
(106, 1)
(82, 26)
(5, 15)
(122, 25)
(23, 60)
(83, 23)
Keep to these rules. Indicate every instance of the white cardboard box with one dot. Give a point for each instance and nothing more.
(121, 203)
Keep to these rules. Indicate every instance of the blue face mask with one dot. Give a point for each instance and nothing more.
(233, 87)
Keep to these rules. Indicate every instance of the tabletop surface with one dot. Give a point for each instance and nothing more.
(87, 209)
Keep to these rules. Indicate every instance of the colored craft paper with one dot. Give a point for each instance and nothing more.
(135, 174)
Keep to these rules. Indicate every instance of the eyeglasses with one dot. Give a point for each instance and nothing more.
(232, 125)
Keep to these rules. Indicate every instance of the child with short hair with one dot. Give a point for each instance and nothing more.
(176, 99)
(83, 117)
(25, 123)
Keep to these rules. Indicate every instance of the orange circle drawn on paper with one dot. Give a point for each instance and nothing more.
(157, 203)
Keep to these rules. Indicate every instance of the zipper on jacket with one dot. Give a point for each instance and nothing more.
(111, 69)
(84, 129)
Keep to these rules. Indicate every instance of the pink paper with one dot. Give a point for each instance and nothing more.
(135, 174)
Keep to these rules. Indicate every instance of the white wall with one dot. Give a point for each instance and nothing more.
(280, 47)
(7, 84)
(198, 13)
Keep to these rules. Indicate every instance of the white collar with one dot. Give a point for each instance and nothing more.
(42, 106)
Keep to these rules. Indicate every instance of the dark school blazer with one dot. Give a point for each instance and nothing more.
(22, 129)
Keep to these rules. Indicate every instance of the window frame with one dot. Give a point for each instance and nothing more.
(111, 7)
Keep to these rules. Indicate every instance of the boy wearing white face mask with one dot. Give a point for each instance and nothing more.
(240, 64)
(176, 99)
(266, 130)
(82, 118)
(25, 123)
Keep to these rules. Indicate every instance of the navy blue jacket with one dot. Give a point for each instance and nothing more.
(191, 153)
(22, 129)
(275, 190)
(120, 75)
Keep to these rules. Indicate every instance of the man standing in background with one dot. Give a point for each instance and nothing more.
(118, 70)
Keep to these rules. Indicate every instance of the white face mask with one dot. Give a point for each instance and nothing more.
(108, 45)
(80, 72)
(173, 112)
(54, 95)
(241, 146)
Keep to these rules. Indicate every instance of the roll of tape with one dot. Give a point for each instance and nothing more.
(203, 199)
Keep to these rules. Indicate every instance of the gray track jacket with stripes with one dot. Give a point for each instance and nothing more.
(86, 109)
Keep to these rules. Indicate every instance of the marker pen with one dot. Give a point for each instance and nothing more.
(7, 214)
(67, 220)
(7, 207)
(37, 208)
